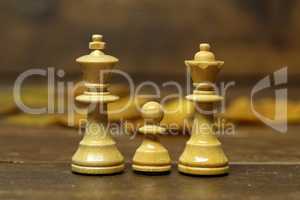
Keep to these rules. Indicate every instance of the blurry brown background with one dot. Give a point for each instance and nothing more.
(253, 37)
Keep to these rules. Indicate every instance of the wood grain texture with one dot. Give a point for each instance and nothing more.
(55, 181)
(35, 164)
(56, 145)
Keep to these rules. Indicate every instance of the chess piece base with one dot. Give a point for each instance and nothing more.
(149, 168)
(203, 170)
(97, 170)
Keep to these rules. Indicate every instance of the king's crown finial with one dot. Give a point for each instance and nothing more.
(97, 43)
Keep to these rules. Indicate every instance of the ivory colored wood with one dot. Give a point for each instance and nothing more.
(203, 154)
(97, 152)
(151, 156)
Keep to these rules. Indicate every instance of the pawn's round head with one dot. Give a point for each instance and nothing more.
(152, 111)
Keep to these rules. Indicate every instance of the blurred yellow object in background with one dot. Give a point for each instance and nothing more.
(7, 103)
(177, 111)
(240, 110)
(31, 120)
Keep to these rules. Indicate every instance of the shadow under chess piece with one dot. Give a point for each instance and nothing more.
(203, 154)
(151, 156)
(97, 152)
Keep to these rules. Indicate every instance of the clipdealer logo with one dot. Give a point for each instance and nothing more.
(280, 78)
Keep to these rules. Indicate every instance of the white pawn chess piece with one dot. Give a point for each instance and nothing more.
(151, 156)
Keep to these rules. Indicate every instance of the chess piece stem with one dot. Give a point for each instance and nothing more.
(203, 154)
(151, 156)
(97, 152)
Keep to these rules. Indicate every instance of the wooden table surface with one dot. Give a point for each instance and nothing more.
(35, 164)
